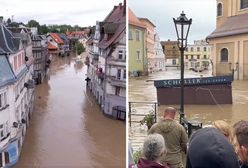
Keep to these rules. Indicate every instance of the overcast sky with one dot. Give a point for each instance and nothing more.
(73, 12)
(161, 12)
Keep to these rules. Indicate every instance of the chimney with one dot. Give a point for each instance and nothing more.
(124, 5)
(1, 19)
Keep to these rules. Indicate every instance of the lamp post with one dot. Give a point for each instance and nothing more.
(182, 25)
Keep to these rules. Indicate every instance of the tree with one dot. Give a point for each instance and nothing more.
(79, 48)
(33, 23)
(8, 21)
(14, 24)
(43, 29)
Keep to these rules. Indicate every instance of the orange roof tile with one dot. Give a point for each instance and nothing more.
(51, 47)
(133, 20)
(57, 38)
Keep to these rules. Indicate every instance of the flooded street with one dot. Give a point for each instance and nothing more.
(67, 128)
(143, 89)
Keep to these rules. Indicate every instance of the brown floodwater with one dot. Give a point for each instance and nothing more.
(142, 89)
(67, 128)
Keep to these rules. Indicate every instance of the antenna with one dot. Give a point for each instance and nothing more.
(12, 18)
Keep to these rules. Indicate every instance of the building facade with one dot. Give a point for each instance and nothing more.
(172, 53)
(106, 61)
(16, 94)
(150, 43)
(229, 41)
(41, 58)
(159, 58)
(197, 55)
(138, 61)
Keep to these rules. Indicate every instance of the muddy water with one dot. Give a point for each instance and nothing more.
(142, 89)
(67, 128)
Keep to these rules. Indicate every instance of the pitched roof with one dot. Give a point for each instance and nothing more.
(51, 47)
(133, 20)
(234, 25)
(6, 73)
(114, 26)
(146, 19)
(57, 38)
(8, 43)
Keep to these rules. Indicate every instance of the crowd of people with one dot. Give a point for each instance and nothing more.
(220, 146)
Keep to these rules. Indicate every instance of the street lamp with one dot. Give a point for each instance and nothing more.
(182, 25)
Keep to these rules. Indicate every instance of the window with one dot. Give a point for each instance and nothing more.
(205, 56)
(219, 9)
(192, 56)
(119, 74)
(117, 91)
(174, 62)
(3, 100)
(186, 56)
(205, 49)
(130, 35)
(124, 74)
(192, 49)
(224, 55)
(186, 49)
(137, 35)
(138, 55)
(243, 4)
(4, 132)
(198, 56)
(198, 49)
(120, 55)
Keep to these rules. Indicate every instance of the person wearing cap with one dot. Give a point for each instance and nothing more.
(241, 135)
(209, 148)
(175, 138)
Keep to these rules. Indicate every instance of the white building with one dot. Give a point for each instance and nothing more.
(16, 94)
(197, 55)
(106, 62)
(159, 59)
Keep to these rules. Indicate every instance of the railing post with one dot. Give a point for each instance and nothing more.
(155, 109)
(130, 109)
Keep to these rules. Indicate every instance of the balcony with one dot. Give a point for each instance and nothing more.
(117, 82)
(29, 84)
(100, 73)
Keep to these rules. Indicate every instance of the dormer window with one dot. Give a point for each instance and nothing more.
(219, 9)
(243, 4)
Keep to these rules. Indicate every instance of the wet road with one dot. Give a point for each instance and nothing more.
(138, 91)
(67, 128)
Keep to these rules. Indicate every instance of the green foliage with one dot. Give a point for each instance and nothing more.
(8, 21)
(137, 155)
(79, 48)
(148, 120)
(15, 24)
(43, 29)
(33, 23)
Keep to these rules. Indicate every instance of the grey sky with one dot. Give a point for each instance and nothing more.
(80, 12)
(161, 12)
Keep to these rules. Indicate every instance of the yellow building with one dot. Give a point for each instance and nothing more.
(197, 55)
(229, 41)
(137, 46)
(150, 42)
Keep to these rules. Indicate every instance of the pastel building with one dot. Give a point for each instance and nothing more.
(16, 94)
(197, 55)
(229, 41)
(138, 60)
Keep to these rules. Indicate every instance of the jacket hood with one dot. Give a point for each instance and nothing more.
(143, 163)
(208, 148)
(167, 126)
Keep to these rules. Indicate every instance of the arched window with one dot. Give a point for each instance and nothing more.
(224, 55)
(243, 4)
(219, 9)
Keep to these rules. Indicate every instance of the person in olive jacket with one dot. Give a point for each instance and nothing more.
(175, 138)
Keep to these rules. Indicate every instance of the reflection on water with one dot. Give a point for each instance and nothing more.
(67, 128)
